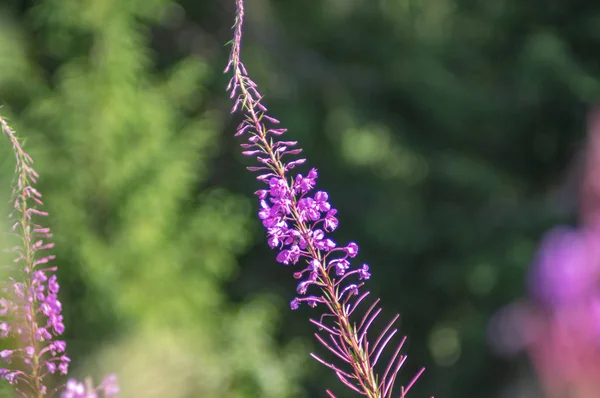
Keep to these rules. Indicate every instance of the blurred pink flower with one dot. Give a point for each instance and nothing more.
(566, 269)
(558, 324)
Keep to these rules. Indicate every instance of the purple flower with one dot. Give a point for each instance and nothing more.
(306, 184)
(363, 272)
(352, 249)
(6, 354)
(289, 256)
(303, 286)
(341, 265)
(110, 386)
(295, 304)
(308, 210)
(321, 201)
(330, 223)
(74, 389)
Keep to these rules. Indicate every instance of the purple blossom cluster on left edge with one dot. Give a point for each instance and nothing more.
(30, 310)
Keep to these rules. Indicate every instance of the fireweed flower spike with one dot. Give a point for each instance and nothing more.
(30, 312)
(297, 221)
(29, 306)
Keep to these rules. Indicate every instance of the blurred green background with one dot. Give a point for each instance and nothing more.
(444, 130)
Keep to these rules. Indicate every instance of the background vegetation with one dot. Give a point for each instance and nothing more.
(444, 130)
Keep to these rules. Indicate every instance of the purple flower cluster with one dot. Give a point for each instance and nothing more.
(298, 219)
(297, 224)
(29, 308)
(30, 312)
